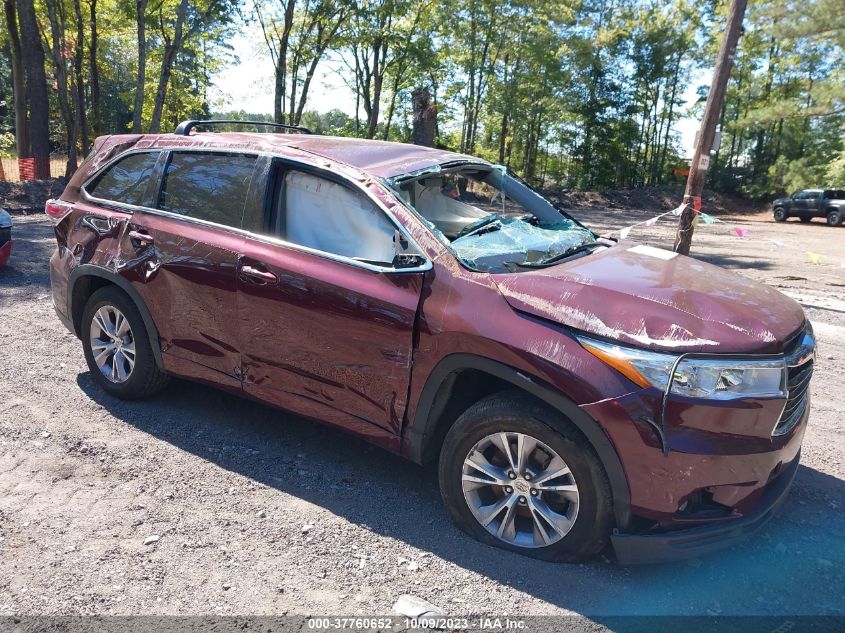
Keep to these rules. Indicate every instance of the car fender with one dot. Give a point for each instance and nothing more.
(425, 422)
(90, 270)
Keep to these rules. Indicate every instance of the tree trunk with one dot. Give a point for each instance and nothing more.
(294, 77)
(665, 149)
(279, 94)
(171, 51)
(760, 141)
(379, 57)
(36, 90)
(587, 151)
(18, 80)
(303, 94)
(57, 31)
(730, 161)
(93, 69)
(479, 95)
(466, 126)
(79, 57)
(391, 108)
(503, 129)
(141, 77)
(424, 117)
(324, 41)
(280, 88)
(357, 97)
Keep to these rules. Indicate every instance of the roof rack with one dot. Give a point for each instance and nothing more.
(185, 127)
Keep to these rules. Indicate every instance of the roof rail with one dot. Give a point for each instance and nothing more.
(185, 127)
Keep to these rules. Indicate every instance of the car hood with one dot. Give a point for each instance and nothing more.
(656, 299)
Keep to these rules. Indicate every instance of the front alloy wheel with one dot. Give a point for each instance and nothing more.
(113, 344)
(520, 490)
(516, 474)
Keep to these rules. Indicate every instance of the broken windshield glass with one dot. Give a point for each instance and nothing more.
(490, 221)
(519, 242)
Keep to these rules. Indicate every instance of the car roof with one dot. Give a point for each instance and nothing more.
(382, 159)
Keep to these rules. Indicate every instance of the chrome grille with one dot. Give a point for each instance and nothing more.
(799, 363)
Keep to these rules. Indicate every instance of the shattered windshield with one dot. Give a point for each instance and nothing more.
(492, 222)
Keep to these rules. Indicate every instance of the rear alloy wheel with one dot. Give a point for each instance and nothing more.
(117, 347)
(112, 344)
(515, 474)
(834, 218)
(780, 215)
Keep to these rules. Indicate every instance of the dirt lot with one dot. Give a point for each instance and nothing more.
(257, 512)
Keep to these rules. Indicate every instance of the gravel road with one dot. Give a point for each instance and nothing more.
(198, 502)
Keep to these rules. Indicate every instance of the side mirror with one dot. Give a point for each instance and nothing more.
(407, 261)
(403, 260)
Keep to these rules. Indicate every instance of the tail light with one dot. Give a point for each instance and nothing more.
(57, 210)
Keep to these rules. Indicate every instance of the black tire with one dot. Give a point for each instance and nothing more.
(518, 413)
(145, 378)
(780, 215)
(834, 218)
(806, 219)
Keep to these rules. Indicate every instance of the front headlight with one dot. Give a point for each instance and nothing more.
(647, 369)
(717, 379)
(729, 379)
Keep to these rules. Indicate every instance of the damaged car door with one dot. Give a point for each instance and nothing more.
(188, 252)
(327, 318)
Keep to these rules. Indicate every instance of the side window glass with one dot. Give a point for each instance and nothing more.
(329, 217)
(208, 186)
(126, 180)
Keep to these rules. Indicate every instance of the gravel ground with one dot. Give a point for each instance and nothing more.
(197, 502)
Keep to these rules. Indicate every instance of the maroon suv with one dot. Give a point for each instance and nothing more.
(574, 389)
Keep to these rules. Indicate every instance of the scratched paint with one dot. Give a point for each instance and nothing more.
(679, 305)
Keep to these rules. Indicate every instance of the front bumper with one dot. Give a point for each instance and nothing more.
(635, 549)
(709, 478)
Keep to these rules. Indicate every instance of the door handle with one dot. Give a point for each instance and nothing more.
(263, 276)
(144, 239)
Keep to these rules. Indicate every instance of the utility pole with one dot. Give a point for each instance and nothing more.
(707, 133)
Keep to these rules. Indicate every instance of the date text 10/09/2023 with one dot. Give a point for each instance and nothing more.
(482, 623)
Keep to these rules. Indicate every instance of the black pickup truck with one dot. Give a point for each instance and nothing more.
(812, 203)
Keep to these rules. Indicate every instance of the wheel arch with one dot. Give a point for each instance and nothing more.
(86, 279)
(436, 412)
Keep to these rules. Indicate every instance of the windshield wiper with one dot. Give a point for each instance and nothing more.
(475, 227)
(560, 257)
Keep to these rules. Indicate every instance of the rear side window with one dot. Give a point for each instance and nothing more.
(207, 186)
(126, 180)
